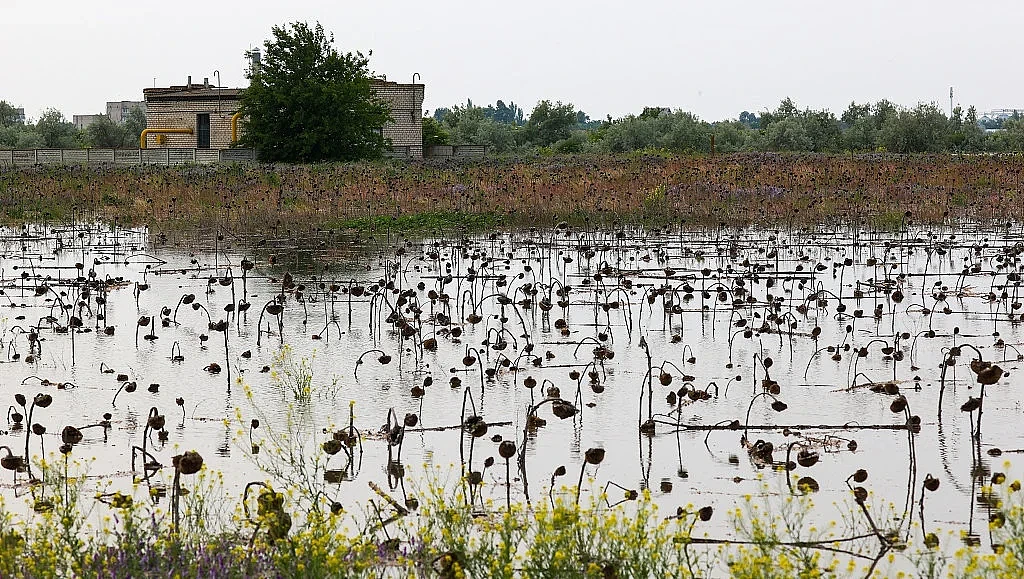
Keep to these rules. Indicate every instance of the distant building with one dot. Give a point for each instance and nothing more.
(200, 116)
(118, 110)
(19, 115)
(82, 122)
(1002, 114)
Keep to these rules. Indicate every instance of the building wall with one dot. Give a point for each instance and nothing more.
(83, 121)
(118, 110)
(405, 129)
(182, 114)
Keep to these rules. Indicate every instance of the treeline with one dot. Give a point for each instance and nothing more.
(53, 131)
(882, 126)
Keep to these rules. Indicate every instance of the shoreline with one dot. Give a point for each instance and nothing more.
(875, 190)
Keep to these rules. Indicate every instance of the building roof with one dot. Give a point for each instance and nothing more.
(195, 92)
(201, 92)
(391, 83)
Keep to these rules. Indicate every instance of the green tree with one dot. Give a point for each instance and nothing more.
(434, 133)
(134, 124)
(104, 133)
(788, 134)
(683, 132)
(550, 122)
(652, 112)
(787, 110)
(957, 138)
(923, 129)
(733, 136)
(861, 134)
(677, 131)
(824, 130)
(56, 131)
(510, 114)
(883, 111)
(854, 113)
(470, 125)
(1011, 138)
(20, 136)
(441, 113)
(574, 143)
(309, 102)
(14, 134)
(29, 139)
(8, 114)
(974, 135)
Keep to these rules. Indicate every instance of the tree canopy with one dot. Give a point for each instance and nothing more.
(106, 134)
(309, 102)
(550, 122)
(8, 114)
(56, 131)
(554, 127)
(434, 133)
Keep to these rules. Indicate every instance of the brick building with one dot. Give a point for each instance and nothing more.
(204, 110)
(405, 129)
(207, 111)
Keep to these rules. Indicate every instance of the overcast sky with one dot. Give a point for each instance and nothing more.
(715, 58)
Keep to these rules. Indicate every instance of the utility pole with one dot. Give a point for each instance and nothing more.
(950, 102)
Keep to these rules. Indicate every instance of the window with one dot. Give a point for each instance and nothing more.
(203, 131)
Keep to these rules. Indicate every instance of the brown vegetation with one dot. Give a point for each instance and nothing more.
(735, 189)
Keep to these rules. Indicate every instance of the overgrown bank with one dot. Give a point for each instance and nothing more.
(737, 189)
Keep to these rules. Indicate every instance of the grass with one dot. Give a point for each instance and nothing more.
(425, 222)
(621, 534)
(740, 189)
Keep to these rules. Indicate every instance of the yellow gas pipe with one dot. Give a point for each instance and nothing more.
(145, 132)
(234, 127)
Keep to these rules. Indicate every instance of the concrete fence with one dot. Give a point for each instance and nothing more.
(437, 151)
(25, 158)
(178, 156)
(454, 151)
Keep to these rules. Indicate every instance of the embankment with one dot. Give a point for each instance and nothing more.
(742, 189)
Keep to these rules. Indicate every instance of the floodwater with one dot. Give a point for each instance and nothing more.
(735, 314)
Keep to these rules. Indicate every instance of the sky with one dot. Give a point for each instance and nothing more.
(715, 58)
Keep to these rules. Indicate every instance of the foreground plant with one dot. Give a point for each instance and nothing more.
(450, 537)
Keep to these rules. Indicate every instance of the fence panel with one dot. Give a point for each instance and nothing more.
(24, 157)
(154, 156)
(180, 156)
(207, 156)
(470, 150)
(164, 156)
(49, 156)
(128, 156)
(398, 152)
(237, 155)
(75, 156)
(101, 155)
(443, 151)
